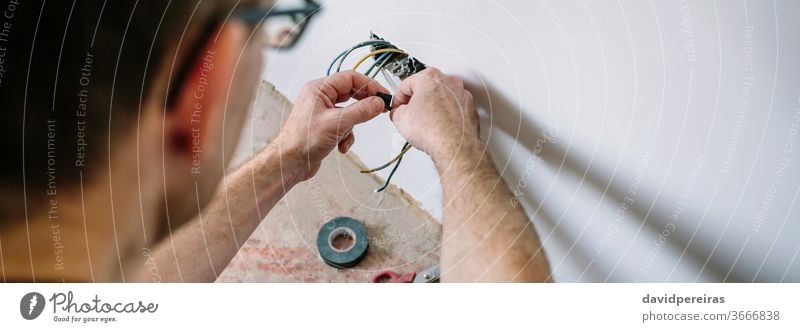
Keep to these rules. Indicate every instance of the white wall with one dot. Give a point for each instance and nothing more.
(651, 117)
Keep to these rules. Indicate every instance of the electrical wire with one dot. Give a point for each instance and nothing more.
(381, 62)
(391, 174)
(399, 158)
(406, 147)
(376, 52)
(347, 52)
(384, 60)
(380, 68)
(381, 59)
(373, 43)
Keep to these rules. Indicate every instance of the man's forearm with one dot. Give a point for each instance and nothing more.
(486, 236)
(201, 249)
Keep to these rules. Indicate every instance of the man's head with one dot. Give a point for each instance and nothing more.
(137, 102)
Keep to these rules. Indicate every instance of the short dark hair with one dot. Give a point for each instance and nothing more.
(73, 78)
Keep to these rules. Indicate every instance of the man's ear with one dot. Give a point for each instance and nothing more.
(199, 103)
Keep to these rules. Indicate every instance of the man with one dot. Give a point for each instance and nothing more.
(122, 120)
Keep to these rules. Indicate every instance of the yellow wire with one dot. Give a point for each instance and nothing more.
(388, 163)
(380, 51)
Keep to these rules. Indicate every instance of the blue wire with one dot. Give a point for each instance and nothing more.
(360, 45)
(347, 52)
(328, 73)
(391, 174)
(394, 169)
(378, 71)
(379, 60)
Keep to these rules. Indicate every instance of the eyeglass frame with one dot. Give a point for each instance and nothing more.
(300, 16)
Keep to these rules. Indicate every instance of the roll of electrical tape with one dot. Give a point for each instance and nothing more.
(342, 257)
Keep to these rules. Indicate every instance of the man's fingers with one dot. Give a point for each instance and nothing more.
(405, 91)
(346, 143)
(412, 83)
(361, 111)
(396, 110)
(341, 86)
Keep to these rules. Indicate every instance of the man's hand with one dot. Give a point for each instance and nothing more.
(486, 236)
(315, 125)
(436, 114)
(310, 133)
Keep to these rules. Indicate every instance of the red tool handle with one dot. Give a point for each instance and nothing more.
(392, 277)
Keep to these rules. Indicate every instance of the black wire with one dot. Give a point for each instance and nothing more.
(391, 174)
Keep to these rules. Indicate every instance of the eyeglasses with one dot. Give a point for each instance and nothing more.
(287, 20)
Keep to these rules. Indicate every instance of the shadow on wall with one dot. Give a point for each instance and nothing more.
(506, 116)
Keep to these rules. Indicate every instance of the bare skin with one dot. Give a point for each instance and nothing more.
(486, 236)
(113, 227)
(314, 128)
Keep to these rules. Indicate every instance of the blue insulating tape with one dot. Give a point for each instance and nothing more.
(348, 257)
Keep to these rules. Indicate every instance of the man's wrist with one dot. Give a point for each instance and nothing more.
(289, 161)
(467, 155)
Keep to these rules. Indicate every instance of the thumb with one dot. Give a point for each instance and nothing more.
(362, 111)
(397, 113)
